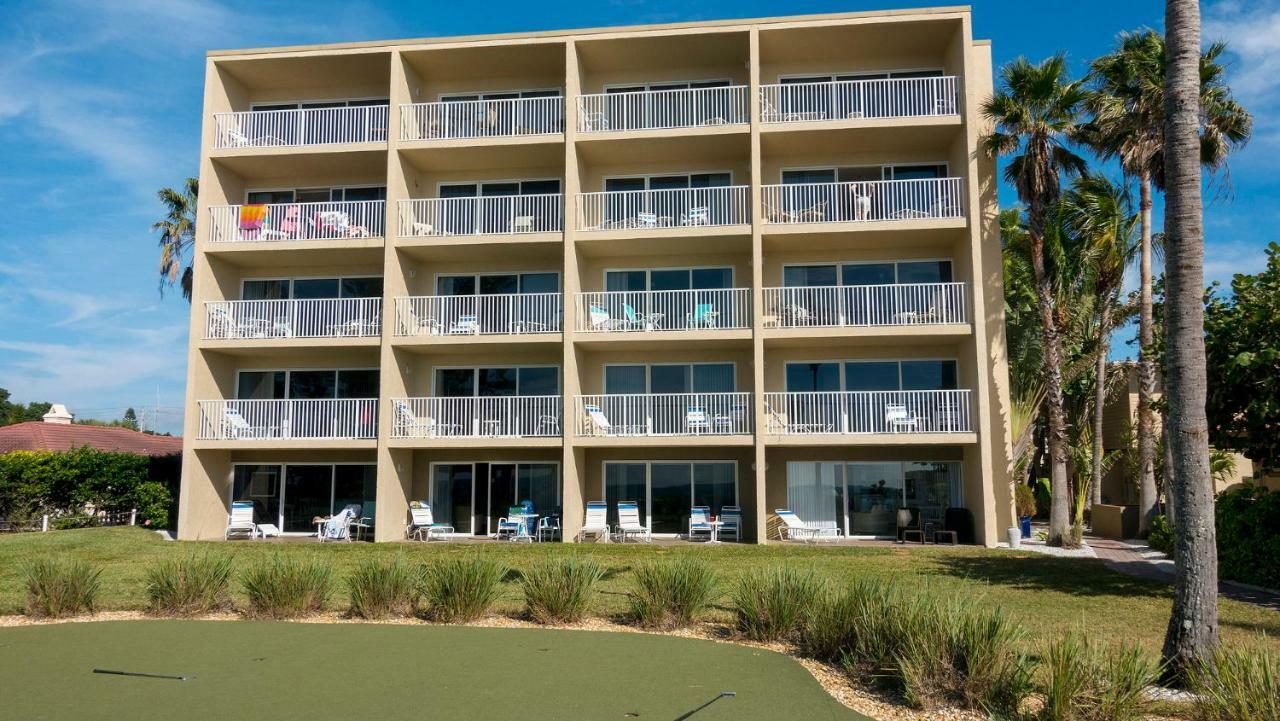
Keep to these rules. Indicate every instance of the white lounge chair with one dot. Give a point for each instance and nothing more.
(411, 324)
(601, 320)
(235, 427)
(629, 525)
(465, 325)
(769, 114)
(422, 526)
(793, 528)
(700, 523)
(600, 422)
(225, 325)
(596, 524)
(779, 424)
(899, 418)
(240, 521)
(731, 522)
(410, 426)
(236, 139)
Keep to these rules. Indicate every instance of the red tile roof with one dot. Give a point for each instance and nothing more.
(40, 436)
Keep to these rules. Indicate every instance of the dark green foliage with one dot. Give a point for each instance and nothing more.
(383, 587)
(189, 585)
(457, 590)
(771, 604)
(62, 484)
(1089, 681)
(672, 594)
(1160, 537)
(1248, 541)
(558, 590)
(1237, 684)
(287, 588)
(57, 587)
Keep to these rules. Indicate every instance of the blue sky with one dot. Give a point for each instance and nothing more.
(100, 106)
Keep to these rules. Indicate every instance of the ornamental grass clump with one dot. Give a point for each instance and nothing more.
(559, 590)
(57, 587)
(189, 585)
(856, 625)
(457, 590)
(382, 587)
(772, 604)
(1237, 683)
(672, 594)
(287, 588)
(1087, 681)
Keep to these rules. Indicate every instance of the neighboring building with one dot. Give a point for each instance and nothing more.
(746, 262)
(56, 433)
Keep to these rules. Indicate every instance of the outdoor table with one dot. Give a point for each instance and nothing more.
(527, 521)
(715, 530)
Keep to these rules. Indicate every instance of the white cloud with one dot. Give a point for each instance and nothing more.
(1224, 259)
(1252, 32)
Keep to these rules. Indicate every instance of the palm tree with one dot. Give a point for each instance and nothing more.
(177, 235)
(1100, 215)
(1037, 115)
(1127, 103)
(1193, 626)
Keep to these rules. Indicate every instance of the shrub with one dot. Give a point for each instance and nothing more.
(673, 593)
(280, 588)
(461, 589)
(57, 588)
(189, 585)
(1248, 545)
(559, 590)
(65, 483)
(858, 625)
(1025, 500)
(1084, 681)
(1238, 683)
(1160, 537)
(771, 604)
(383, 587)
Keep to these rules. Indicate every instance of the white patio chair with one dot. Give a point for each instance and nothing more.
(641, 321)
(629, 524)
(700, 523)
(465, 325)
(731, 522)
(601, 320)
(237, 139)
(411, 324)
(899, 418)
(240, 521)
(227, 326)
(410, 426)
(422, 525)
(522, 224)
(695, 419)
(549, 528)
(599, 421)
(793, 528)
(646, 220)
(596, 524)
(511, 526)
(779, 424)
(235, 427)
(595, 122)
(696, 216)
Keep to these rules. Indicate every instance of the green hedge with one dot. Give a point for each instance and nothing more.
(1248, 544)
(61, 484)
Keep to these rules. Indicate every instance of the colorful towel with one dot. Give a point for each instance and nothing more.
(252, 217)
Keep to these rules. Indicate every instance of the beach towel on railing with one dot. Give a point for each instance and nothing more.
(253, 217)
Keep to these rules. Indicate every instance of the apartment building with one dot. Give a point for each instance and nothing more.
(749, 263)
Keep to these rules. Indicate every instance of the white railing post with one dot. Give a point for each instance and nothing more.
(857, 99)
(507, 313)
(676, 208)
(864, 201)
(262, 419)
(500, 215)
(665, 310)
(312, 126)
(662, 109)
(448, 120)
(867, 412)
(866, 305)
(665, 414)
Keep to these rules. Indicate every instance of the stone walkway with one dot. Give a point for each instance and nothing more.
(1133, 558)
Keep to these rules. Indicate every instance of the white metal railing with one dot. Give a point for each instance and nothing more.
(864, 200)
(944, 411)
(493, 215)
(662, 109)
(863, 305)
(664, 414)
(623, 311)
(681, 207)
(312, 126)
(297, 221)
(293, 318)
(846, 99)
(514, 313)
(326, 418)
(492, 417)
(482, 118)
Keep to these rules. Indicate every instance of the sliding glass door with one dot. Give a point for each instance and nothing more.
(471, 497)
(292, 496)
(667, 490)
(862, 498)
(668, 384)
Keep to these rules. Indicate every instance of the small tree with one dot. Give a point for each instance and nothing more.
(130, 419)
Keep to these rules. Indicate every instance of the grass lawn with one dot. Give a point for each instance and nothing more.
(1046, 595)
(286, 671)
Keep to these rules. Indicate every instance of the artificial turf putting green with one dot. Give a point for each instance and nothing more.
(284, 671)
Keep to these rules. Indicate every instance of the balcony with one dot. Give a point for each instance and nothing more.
(495, 215)
(294, 318)
(663, 109)
(865, 412)
(273, 420)
(664, 310)
(473, 315)
(664, 414)
(864, 201)
(654, 209)
(297, 221)
(471, 417)
(906, 304)
(456, 120)
(295, 128)
(858, 99)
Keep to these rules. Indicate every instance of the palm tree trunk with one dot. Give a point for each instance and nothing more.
(1193, 625)
(1059, 491)
(1100, 400)
(1148, 496)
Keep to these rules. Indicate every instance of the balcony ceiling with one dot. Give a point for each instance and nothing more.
(517, 61)
(537, 155)
(898, 44)
(948, 240)
(288, 164)
(684, 151)
(937, 136)
(691, 52)
(297, 77)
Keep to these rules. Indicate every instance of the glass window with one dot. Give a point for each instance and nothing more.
(311, 384)
(815, 492)
(269, 196)
(670, 488)
(808, 276)
(355, 485)
(451, 490)
(625, 482)
(867, 274)
(795, 177)
(871, 376)
(361, 288)
(925, 271)
(713, 378)
(357, 384)
(259, 485)
(265, 289)
(539, 282)
(373, 192)
(612, 185)
(915, 172)
(875, 495)
(315, 288)
(711, 278)
(536, 381)
(673, 279)
(455, 382)
(624, 379)
(669, 379)
(459, 190)
(499, 284)
(811, 377)
(626, 280)
(308, 493)
(714, 486)
(932, 487)
(929, 375)
(493, 382)
(456, 285)
(261, 385)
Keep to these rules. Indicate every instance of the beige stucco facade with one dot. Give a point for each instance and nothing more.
(755, 57)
